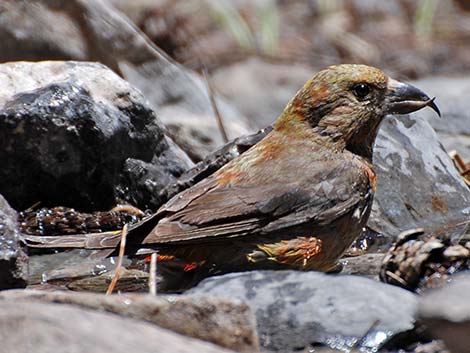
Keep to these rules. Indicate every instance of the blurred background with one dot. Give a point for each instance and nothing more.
(257, 53)
(412, 38)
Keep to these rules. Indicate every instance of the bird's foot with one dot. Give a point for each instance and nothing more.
(297, 252)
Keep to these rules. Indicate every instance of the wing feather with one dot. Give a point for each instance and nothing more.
(213, 211)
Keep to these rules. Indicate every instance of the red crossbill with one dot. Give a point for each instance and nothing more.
(296, 199)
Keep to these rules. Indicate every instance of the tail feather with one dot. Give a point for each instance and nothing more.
(106, 240)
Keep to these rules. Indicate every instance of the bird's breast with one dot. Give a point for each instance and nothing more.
(368, 171)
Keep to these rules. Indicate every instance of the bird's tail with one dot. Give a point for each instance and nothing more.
(93, 241)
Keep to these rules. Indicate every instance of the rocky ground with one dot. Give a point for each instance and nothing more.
(116, 120)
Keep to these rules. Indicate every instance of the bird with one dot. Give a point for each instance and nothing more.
(297, 199)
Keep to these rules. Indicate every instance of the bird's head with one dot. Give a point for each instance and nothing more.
(343, 105)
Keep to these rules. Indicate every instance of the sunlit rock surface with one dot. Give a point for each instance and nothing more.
(228, 323)
(417, 183)
(28, 326)
(76, 134)
(296, 309)
(96, 31)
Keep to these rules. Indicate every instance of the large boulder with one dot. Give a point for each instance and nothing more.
(13, 259)
(417, 182)
(94, 30)
(296, 310)
(27, 326)
(76, 134)
(228, 323)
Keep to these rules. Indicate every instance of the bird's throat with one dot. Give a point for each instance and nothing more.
(336, 130)
(362, 141)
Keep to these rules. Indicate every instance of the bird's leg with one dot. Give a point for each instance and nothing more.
(172, 261)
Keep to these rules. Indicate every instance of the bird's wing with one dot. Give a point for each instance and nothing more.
(212, 211)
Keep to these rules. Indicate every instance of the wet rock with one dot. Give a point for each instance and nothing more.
(417, 182)
(13, 259)
(446, 312)
(295, 309)
(68, 133)
(367, 264)
(64, 268)
(43, 327)
(96, 31)
(436, 346)
(132, 280)
(227, 323)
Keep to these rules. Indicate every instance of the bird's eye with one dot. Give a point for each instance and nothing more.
(361, 90)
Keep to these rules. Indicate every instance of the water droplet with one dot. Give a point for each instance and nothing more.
(44, 278)
(127, 301)
(171, 299)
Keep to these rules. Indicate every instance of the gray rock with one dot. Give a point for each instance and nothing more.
(446, 312)
(13, 259)
(76, 134)
(367, 264)
(66, 266)
(94, 30)
(417, 183)
(297, 309)
(228, 323)
(44, 328)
